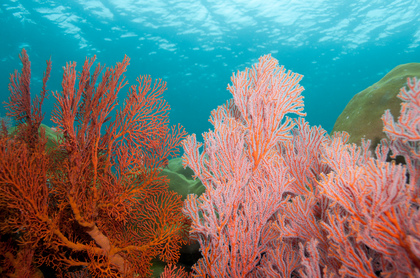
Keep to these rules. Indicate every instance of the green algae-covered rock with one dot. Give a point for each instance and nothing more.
(52, 136)
(181, 180)
(362, 116)
(50, 133)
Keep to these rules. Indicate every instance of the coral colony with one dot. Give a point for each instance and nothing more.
(94, 204)
(282, 198)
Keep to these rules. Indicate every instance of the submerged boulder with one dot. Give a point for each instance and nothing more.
(51, 134)
(181, 180)
(362, 116)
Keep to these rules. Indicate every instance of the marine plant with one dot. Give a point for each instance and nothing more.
(284, 199)
(94, 204)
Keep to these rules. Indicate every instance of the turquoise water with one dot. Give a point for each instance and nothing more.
(341, 47)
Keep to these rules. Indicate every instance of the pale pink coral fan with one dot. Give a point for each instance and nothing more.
(284, 199)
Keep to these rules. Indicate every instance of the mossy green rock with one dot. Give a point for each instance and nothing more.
(181, 180)
(362, 116)
(51, 135)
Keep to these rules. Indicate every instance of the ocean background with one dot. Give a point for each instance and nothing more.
(341, 47)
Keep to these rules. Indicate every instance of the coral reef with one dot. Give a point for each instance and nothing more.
(281, 198)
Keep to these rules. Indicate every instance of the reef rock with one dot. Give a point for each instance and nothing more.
(362, 116)
(181, 180)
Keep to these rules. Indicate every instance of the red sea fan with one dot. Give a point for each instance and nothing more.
(94, 202)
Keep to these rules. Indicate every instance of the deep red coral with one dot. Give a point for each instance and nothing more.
(95, 201)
